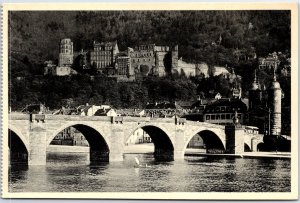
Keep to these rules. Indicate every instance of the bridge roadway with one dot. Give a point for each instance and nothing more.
(30, 135)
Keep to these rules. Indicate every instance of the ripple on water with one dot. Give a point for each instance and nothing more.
(70, 173)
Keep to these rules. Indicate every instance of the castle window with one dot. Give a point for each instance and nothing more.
(217, 109)
(223, 108)
(213, 117)
(223, 116)
(218, 117)
(227, 116)
(207, 117)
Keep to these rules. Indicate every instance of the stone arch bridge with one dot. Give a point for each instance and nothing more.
(30, 135)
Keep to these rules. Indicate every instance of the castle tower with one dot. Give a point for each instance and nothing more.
(274, 98)
(65, 53)
(175, 58)
(254, 94)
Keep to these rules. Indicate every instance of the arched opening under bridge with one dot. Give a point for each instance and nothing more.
(247, 148)
(76, 139)
(151, 139)
(18, 153)
(205, 141)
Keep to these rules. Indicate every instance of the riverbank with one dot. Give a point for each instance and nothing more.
(149, 148)
(139, 148)
(67, 149)
(280, 155)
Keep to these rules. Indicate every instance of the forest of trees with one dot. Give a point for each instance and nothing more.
(203, 36)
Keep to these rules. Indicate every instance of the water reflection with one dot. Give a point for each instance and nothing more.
(71, 173)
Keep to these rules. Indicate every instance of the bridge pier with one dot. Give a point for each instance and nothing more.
(38, 144)
(178, 155)
(163, 154)
(254, 143)
(117, 145)
(98, 156)
(234, 140)
(179, 146)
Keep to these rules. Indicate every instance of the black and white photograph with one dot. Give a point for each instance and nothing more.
(150, 101)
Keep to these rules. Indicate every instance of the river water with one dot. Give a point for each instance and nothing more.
(71, 173)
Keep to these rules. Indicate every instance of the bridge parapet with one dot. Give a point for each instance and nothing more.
(77, 118)
(19, 116)
(205, 124)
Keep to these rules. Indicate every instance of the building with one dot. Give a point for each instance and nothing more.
(218, 96)
(237, 92)
(174, 58)
(104, 55)
(87, 110)
(50, 68)
(222, 111)
(274, 103)
(258, 113)
(220, 70)
(266, 115)
(146, 59)
(166, 60)
(106, 112)
(164, 110)
(138, 137)
(82, 60)
(132, 112)
(65, 60)
(71, 137)
(65, 53)
(161, 54)
(165, 57)
(123, 65)
(255, 94)
(269, 62)
(196, 142)
(142, 58)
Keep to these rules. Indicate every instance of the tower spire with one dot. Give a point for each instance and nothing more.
(274, 72)
(255, 78)
(255, 83)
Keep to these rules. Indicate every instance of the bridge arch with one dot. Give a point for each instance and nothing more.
(162, 140)
(247, 147)
(98, 143)
(261, 146)
(18, 147)
(213, 141)
(19, 134)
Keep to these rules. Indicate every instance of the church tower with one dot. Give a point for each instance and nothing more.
(275, 105)
(65, 53)
(255, 95)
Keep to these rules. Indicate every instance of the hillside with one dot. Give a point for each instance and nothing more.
(37, 34)
(212, 37)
